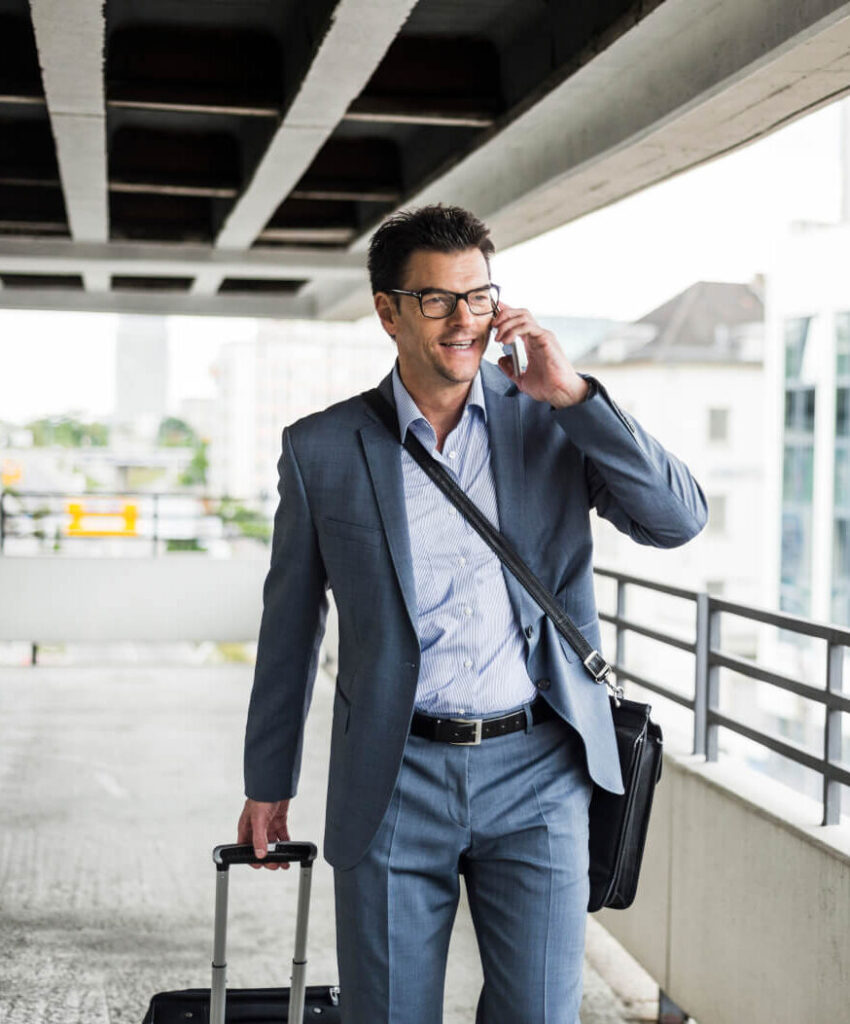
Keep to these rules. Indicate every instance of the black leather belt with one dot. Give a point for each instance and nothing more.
(469, 732)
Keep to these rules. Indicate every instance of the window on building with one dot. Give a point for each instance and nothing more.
(718, 424)
(800, 410)
(795, 590)
(798, 474)
(717, 513)
(801, 357)
(842, 344)
(841, 572)
(841, 524)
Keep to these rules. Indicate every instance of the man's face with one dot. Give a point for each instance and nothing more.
(436, 354)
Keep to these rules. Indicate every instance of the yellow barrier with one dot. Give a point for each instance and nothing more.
(128, 513)
(12, 472)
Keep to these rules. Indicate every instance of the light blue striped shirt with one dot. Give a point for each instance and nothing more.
(473, 649)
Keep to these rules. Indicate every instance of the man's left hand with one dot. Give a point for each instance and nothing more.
(550, 377)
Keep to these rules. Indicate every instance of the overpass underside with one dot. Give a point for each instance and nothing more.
(233, 158)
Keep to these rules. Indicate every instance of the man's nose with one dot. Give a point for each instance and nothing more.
(462, 314)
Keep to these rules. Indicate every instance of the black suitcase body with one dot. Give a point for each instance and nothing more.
(217, 1005)
(243, 1006)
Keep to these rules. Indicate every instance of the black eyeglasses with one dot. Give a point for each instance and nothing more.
(437, 304)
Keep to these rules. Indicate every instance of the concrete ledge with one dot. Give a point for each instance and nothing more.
(175, 597)
(744, 906)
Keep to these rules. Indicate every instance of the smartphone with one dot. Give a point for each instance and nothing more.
(519, 357)
(516, 350)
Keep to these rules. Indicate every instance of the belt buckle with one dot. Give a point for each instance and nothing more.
(476, 737)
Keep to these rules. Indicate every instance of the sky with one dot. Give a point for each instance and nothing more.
(720, 222)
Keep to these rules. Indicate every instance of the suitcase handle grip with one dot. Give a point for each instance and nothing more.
(280, 853)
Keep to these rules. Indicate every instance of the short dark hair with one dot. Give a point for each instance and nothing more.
(435, 228)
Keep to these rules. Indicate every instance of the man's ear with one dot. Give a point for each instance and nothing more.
(387, 313)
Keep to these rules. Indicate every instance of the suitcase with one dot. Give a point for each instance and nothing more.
(252, 1006)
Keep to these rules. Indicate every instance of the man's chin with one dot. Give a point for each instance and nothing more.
(460, 374)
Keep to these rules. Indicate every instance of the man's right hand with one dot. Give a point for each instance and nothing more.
(260, 824)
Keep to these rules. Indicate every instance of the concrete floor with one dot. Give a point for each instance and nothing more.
(115, 784)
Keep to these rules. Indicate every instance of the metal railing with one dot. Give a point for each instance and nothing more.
(709, 659)
(155, 517)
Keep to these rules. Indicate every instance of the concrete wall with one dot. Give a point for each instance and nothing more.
(176, 597)
(743, 912)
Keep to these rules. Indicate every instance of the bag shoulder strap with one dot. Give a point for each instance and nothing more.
(596, 665)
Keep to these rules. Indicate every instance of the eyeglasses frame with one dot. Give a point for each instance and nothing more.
(457, 297)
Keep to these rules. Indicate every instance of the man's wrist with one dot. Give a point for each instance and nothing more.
(574, 394)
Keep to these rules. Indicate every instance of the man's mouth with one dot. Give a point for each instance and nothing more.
(457, 344)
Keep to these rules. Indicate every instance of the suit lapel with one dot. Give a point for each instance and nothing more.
(504, 426)
(505, 429)
(383, 457)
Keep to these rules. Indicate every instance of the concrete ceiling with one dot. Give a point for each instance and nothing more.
(233, 156)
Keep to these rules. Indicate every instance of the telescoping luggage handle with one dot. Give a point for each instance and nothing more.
(279, 853)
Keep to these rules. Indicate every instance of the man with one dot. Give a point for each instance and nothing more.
(432, 630)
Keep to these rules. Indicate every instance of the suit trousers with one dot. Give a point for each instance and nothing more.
(511, 817)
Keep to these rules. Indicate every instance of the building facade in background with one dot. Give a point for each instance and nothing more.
(692, 373)
(141, 375)
(293, 368)
(808, 325)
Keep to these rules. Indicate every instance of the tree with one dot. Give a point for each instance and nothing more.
(69, 432)
(196, 472)
(176, 433)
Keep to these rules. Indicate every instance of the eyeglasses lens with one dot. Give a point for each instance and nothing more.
(438, 305)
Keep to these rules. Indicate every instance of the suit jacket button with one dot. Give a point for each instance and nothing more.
(529, 631)
(543, 684)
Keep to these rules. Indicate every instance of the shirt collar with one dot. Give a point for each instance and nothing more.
(408, 411)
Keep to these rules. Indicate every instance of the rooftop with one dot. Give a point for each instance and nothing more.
(709, 322)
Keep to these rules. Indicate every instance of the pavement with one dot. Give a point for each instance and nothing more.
(115, 783)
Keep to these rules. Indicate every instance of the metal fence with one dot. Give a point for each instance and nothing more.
(709, 659)
(171, 520)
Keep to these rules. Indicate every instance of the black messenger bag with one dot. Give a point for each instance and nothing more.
(618, 822)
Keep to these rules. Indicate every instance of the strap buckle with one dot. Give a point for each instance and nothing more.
(597, 666)
(477, 724)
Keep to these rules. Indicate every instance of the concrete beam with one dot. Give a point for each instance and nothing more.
(207, 282)
(69, 36)
(687, 84)
(97, 280)
(284, 307)
(359, 36)
(26, 256)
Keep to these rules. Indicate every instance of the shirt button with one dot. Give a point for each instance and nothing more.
(467, 610)
(543, 684)
(461, 561)
(452, 511)
(468, 663)
(529, 631)
(452, 455)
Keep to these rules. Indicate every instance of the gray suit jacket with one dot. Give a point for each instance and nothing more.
(341, 523)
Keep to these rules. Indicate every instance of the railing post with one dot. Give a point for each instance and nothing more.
(620, 644)
(701, 673)
(2, 520)
(832, 735)
(713, 687)
(155, 524)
